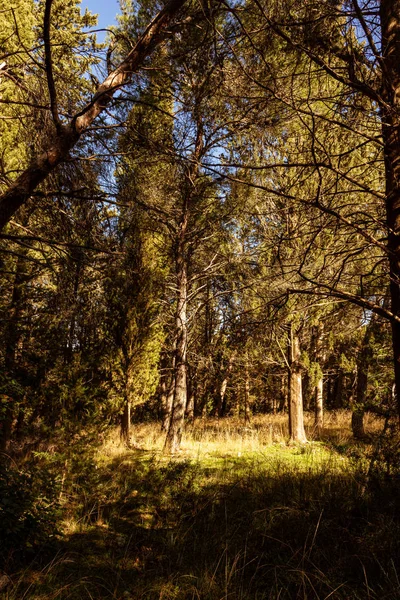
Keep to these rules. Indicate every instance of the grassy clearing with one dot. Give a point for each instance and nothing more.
(238, 515)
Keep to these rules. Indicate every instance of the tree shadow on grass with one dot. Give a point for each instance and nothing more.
(150, 529)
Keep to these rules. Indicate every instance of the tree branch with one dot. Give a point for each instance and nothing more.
(43, 164)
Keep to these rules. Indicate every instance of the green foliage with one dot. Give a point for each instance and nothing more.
(28, 509)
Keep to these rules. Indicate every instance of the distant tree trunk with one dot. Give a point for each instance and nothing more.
(175, 429)
(169, 402)
(246, 391)
(224, 384)
(70, 338)
(319, 405)
(362, 368)
(126, 423)
(319, 357)
(284, 394)
(167, 393)
(296, 417)
(357, 423)
(339, 390)
(190, 404)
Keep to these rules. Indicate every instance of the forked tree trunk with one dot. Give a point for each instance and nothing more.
(296, 417)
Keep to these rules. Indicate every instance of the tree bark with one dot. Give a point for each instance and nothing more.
(219, 409)
(319, 405)
(126, 423)
(296, 417)
(319, 358)
(175, 429)
(182, 259)
(390, 112)
(338, 390)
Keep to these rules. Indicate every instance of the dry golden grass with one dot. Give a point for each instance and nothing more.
(238, 514)
(232, 437)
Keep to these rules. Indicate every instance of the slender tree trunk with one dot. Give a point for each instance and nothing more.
(339, 390)
(69, 347)
(319, 358)
(224, 385)
(126, 423)
(284, 394)
(169, 404)
(357, 417)
(167, 395)
(357, 423)
(296, 417)
(319, 405)
(390, 28)
(246, 391)
(190, 404)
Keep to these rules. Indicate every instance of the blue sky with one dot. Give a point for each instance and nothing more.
(106, 9)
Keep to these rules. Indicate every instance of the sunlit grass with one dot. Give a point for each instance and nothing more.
(239, 514)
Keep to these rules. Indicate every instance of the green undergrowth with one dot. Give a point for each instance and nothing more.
(285, 523)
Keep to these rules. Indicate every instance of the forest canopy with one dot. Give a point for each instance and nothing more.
(196, 208)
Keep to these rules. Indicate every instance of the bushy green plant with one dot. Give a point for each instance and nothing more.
(28, 509)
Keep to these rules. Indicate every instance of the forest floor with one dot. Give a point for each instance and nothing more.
(238, 515)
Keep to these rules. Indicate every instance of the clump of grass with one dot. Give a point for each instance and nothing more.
(238, 515)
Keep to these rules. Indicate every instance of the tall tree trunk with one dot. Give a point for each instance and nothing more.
(296, 417)
(167, 394)
(175, 430)
(319, 357)
(182, 254)
(390, 112)
(246, 391)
